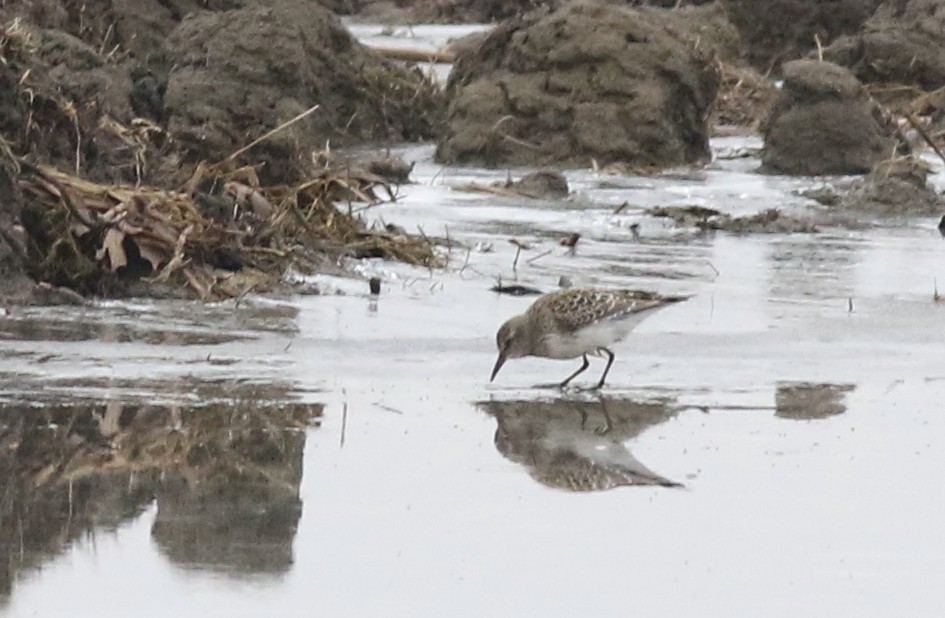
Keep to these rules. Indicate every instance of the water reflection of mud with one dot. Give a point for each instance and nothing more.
(808, 401)
(167, 325)
(802, 269)
(225, 478)
(577, 445)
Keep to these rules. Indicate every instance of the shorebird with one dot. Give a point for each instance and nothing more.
(576, 322)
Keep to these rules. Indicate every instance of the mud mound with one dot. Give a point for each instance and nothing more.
(65, 104)
(823, 123)
(123, 28)
(241, 73)
(588, 81)
(901, 43)
(777, 31)
(220, 77)
(895, 187)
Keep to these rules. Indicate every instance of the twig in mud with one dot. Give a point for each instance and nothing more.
(514, 140)
(344, 423)
(532, 260)
(388, 408)
(820, 47)
(242, 295)
(935, 295)
(620, 208)
(714, 269)
(269, 134)
(466, 261)
(850, 304)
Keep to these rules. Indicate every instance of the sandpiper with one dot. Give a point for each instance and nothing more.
(576, 322)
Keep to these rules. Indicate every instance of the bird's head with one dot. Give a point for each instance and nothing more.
(513, 341)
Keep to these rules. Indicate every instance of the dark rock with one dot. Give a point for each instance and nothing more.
(587, 81)
(823, 123)
(895, 187)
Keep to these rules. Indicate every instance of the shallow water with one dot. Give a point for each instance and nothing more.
(346, 455)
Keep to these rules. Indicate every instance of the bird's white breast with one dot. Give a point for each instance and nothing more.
(592, 337)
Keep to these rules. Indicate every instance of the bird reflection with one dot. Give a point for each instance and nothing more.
(809, 401)
(225, 475)
(577, 445)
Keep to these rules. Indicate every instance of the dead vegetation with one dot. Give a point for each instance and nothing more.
(108, 208)
(224, 243)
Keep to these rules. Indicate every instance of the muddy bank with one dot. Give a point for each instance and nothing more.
(776, 31)
(901, 43)
(587, 82)
(141, 162)
(207, 82)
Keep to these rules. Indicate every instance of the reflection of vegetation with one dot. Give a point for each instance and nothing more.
(577, 445)
(805, 401)
(169, 325)
(225, 476)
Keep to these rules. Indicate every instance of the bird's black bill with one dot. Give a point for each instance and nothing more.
(498, 365)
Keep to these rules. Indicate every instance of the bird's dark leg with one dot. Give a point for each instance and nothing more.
(610, 361)
(586, 364)
(608, 424)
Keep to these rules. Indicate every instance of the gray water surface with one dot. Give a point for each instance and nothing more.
(346, 456)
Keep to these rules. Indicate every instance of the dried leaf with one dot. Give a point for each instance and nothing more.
(111, 247)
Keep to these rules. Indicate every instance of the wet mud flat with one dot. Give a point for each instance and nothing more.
(775, 437)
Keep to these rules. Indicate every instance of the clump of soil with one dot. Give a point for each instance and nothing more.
(777, 31)
(901, 43)
(551, 185)
(895, 187)
(241, 73)
(809, 401)
(546, 185)
(771, 221)
(824, 123)
(687, 216)
(119, 93)
(589, 81)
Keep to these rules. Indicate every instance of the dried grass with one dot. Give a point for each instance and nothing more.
(91, 236)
